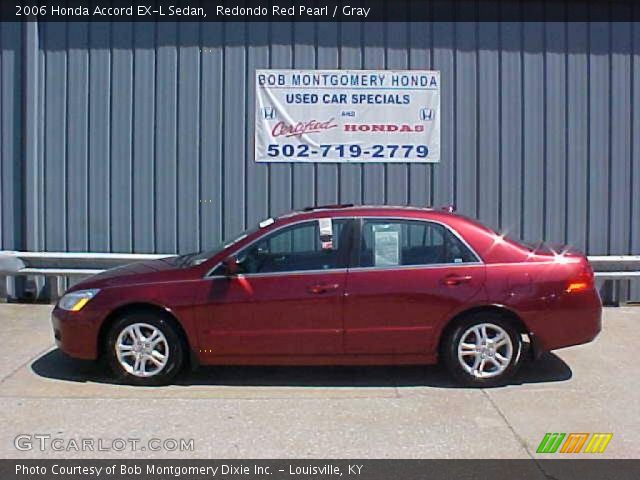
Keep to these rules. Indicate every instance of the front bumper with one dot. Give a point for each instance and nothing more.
(75, 333)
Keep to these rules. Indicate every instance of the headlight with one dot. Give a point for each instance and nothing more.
(74, 301)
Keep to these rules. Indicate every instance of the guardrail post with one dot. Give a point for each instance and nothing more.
(622, 292)
(606, 293)
(61, 286)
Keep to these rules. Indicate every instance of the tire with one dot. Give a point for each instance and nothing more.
(482, 350)
(144, 349)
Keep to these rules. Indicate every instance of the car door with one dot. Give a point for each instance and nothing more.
(286, 298)
(410, 275)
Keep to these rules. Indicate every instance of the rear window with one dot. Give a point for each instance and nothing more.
(527, 245)
(521, 243)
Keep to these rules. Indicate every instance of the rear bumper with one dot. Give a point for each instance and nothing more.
(573, 319)
(75, 333)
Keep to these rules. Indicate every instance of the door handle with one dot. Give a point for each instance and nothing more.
(452, 280)
(323, 287)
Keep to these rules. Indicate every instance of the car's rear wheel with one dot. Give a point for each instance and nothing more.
(482, 350)
(144, 349)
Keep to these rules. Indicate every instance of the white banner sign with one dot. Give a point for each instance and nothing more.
(362, 116)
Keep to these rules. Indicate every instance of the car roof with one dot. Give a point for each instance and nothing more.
(349, 210)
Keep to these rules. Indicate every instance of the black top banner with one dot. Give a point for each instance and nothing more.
(318, 10)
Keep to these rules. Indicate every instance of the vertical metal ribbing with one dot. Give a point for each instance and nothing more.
(30, 137)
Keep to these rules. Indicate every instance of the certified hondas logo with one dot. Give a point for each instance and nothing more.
(574, 442)
(383, 127)
(297, 129)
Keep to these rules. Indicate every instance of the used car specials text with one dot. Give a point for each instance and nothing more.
(180, 470)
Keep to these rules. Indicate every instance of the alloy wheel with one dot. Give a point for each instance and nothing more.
(142, 350)
(485, 350)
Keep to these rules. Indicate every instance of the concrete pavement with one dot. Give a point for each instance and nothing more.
(285, 412)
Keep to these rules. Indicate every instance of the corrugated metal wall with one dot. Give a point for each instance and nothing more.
(139, 137)
(11, 150)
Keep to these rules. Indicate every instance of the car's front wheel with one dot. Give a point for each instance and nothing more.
(483, 350)
(144, 349)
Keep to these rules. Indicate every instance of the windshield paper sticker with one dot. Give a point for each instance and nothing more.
(386, 246)
(361, 116)
(326, 233)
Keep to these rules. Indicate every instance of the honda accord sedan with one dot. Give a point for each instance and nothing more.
(338, 285)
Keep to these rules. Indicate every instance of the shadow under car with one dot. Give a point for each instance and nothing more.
(57, 366)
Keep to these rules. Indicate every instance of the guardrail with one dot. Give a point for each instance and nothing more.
(613, 271)
(61, 267)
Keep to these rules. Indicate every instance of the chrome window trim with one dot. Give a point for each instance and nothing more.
(478, 261)
(279, 274)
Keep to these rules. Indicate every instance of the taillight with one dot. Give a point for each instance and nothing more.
(582, 281)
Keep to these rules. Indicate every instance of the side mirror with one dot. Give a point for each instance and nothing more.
(230, 265)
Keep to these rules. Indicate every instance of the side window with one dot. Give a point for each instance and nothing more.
(456, 251)
(387, 243)
(312, 245)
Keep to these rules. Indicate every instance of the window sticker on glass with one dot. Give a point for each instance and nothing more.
(386, 245)
(326, 233)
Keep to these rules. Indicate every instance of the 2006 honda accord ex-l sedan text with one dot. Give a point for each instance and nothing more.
(338, 285)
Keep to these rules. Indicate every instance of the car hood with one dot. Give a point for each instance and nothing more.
(133, 273)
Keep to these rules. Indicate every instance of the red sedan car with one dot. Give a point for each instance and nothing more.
(339, 285)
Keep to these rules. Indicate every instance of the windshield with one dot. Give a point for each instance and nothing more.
(196, 258)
